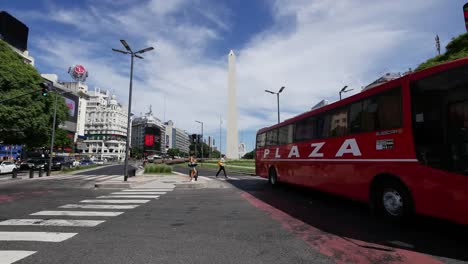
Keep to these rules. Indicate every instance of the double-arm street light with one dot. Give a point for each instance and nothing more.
(132, 55)
(277, 96)
(200, 122)
(343, 90)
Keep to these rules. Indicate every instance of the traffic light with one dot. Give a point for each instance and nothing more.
(44, 88)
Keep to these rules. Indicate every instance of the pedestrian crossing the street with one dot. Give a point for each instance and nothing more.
(74, 215)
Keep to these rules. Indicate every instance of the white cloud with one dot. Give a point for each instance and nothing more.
(313, 48)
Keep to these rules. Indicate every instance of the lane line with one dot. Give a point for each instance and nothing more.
(35, 236)
(99, 206)
(115, 201)
(10, 256)
(130, 196)
(205, 178)
(51, 222)
(128, 193)
(78, 213)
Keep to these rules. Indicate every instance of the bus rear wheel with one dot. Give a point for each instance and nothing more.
(392, 200)
(272, 177)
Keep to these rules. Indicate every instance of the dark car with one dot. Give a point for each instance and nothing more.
(27, 164)
(58, 163)
(86, 162)
(39, 164)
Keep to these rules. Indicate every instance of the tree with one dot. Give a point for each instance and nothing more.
(28, 119)
(249, 155)
(173, 152)
(61, 139)
(137, 152)
(206, 150)
(455, 49)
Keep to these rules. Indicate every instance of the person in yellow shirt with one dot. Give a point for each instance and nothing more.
(221, 167)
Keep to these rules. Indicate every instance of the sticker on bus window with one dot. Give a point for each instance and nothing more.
(384, 144)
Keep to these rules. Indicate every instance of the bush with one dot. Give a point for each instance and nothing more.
(158, 168)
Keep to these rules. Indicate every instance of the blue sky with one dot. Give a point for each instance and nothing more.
(311, 47)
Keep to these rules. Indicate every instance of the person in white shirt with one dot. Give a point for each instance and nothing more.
(221, 167)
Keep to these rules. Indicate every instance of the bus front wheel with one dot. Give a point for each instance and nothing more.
(272, 178)
(392, 200)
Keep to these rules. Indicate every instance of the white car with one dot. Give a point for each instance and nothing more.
(98, 162)
(7, 167)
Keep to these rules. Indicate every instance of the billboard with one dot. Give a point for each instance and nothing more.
(13, 31)
(72, 103)
(152, 139)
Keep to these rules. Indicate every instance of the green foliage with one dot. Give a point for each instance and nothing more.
(456, 49)
(27, 119)
(173, 152)
(158, 168)
(136, 153)
(206, 150)
(249, 155)
(61, 139)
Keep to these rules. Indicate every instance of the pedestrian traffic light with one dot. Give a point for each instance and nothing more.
(44, 88)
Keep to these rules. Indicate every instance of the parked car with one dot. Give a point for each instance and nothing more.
(58, 163)
(86, 162)
(40, 163)
(99, 162)
(7, 167)
(26, 164)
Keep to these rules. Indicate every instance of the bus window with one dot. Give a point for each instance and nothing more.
(390, 110)
(261, 138)
(285, 134)
(339, 123)
(355, 117)
(304, 129)
(272, 137)
(322, 124)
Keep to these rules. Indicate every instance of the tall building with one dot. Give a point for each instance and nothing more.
(176, 137)
(148, 134)
(232, 137)
(76, 102)
(15, 34)
(106, 126)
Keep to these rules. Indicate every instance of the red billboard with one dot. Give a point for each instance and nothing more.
(149, 140)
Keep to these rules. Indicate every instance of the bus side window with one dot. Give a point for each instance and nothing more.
(355, 118)
(304, 129)
(285, 134)
(261, 138)
(339, 123)
(272, 137)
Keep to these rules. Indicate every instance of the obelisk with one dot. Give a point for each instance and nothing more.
(232, 141)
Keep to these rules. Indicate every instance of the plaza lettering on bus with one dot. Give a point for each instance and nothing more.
(349, 146)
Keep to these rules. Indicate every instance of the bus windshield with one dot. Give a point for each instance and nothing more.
(440, 119)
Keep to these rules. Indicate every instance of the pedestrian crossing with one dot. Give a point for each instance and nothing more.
(78, 177)
(74, 215)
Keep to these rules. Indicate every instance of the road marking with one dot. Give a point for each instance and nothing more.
(149, 190)
(35, 236)
(10, 256)
(51, 222)
(78, 213)
(115, 201)
(205, 178)
(127, 193)
(130, 196)
(99, 206)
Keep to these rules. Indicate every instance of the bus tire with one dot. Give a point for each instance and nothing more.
(272, 177)
(392, 200)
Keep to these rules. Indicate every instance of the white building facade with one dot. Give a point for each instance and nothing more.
(105, 127)
(176, 137)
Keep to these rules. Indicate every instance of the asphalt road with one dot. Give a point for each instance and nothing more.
(241, 221)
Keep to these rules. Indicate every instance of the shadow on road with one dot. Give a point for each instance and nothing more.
(348, 219)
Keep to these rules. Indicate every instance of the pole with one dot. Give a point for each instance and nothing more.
(202, 141)
(53, 135)
(128, 120)
(220, 131)
(277, 95)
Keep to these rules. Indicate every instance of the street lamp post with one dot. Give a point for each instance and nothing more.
(201, 138)
(53, 132)
(132, 55)
(277, 97)
(343, 90)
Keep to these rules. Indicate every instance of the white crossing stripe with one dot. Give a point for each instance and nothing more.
(130, 196)
(78, 213)
(99, 206)
(128, 193)
(115, 201)
(35, 236)
(51, 222)
(10, 256)
(205, 178)
(149, 190)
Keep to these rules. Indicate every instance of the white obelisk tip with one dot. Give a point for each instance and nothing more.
(232, 151)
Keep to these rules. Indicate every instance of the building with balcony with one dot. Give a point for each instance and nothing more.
(105, 127)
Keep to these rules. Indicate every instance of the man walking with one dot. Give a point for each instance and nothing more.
(221, 167)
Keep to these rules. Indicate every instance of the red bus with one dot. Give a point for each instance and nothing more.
(401, 146)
